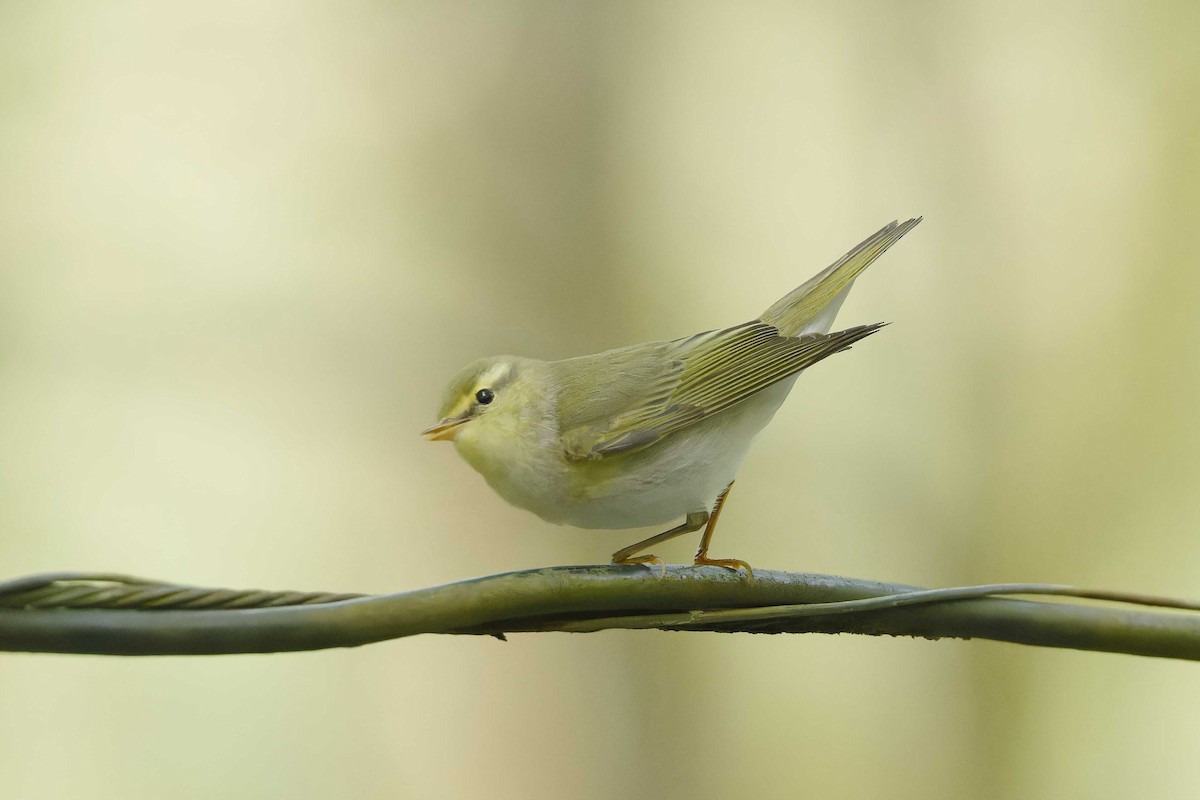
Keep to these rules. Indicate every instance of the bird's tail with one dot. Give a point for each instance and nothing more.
(810, 308)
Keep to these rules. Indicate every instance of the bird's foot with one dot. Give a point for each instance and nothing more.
(649, 561)
(702, 560)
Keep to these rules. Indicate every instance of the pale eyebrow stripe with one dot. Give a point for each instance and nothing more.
(495, 373)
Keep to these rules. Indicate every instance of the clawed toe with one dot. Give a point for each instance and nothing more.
(729, 563)
(649, 561)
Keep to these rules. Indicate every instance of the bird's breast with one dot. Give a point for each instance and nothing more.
(681, 473)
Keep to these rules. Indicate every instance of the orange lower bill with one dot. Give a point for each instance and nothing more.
(444, 431)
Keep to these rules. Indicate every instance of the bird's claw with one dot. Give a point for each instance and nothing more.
(649, 561)
(702, 560)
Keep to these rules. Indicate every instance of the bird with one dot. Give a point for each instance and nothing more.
(645, 434)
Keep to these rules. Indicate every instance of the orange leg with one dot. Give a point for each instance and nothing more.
(702, 554)
(625, 555)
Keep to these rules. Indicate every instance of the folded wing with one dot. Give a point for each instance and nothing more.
(688, 380)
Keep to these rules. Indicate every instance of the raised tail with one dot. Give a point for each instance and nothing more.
(810, 308)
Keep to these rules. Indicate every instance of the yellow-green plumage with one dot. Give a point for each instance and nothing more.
(652, 432)
(697, 377)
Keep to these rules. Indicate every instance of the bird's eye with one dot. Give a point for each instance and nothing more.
(485, 396)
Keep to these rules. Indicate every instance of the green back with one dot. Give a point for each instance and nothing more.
(627, 399)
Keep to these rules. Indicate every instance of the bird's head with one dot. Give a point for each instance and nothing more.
(488, 401)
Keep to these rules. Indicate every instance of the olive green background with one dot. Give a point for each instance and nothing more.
(243, 245)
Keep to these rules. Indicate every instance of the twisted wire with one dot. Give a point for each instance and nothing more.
(111, 614)
(107, 590)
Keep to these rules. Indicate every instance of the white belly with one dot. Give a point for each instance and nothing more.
(683, 473)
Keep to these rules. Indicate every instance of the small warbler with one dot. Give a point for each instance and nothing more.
(648, 433)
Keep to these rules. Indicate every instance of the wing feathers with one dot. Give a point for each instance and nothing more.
(719, 370)
(626, 399)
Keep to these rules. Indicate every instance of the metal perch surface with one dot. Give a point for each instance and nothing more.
(119, 615)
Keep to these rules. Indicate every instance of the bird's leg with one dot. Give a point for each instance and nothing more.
(694, 522)
(702, 554)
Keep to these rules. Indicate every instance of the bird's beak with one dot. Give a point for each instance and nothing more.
(445, 430)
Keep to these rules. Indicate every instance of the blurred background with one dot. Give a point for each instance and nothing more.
(243, 246)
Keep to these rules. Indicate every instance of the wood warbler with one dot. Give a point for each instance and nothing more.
(645, 434)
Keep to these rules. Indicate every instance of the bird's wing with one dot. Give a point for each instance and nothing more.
(651, 391)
